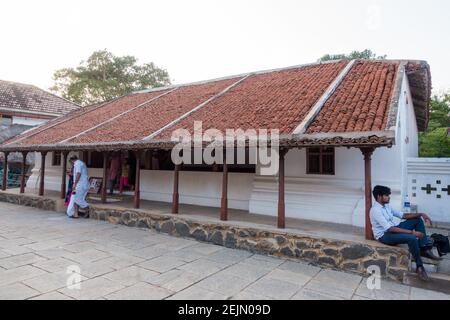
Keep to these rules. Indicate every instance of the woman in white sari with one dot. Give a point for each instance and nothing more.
(80, 187)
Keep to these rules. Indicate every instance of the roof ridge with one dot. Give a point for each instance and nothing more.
(328, 93)
(240, 75)
(395, 97)
(62, 119)
(204, 103)
(44, 90)
(299, 66)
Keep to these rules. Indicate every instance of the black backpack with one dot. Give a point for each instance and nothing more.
(441, 243)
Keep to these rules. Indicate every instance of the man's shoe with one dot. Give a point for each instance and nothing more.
(430, 255)
(422, 274)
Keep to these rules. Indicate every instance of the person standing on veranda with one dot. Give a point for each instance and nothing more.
(80, 187)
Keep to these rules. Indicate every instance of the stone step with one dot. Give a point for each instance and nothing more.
(444, 265)
(429, 268)
(438, 282)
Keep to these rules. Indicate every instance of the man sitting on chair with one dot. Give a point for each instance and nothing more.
(411, 231)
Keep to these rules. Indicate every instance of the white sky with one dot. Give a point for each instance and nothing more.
(198, 40)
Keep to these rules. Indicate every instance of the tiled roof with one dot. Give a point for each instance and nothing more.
(143, 122)
(361, 101)
(90, 119)
(275, 100)
(312, 97)
(28, 98)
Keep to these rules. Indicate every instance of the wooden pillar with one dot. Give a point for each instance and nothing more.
(367, 153)
(23, 175)
(105, 176)
(64, 174)
(175, 197)
(41, 181)
(5, 171)
(281, 205)
(150, 159)
(137, 182)
(224, 202)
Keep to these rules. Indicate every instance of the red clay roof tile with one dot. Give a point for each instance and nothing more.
(141, 123)
(88, 119)
(274, 100)
(361, 101)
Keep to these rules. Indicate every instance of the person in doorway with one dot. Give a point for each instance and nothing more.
(80, 187)
(412, 231)
(124, 175)
(113, 172)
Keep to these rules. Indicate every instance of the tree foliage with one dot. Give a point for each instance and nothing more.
(365, 54)
(104, 76)
(434, 142)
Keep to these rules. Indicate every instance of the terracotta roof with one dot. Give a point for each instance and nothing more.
(90, 119)
(419, 78)
(337, 102)
(21, 97)
(143, 122)
(361, 101)
(274, 100)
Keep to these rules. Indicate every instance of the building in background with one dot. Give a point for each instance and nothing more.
(23, 107)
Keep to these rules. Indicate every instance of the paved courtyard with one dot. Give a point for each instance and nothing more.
(43, 254)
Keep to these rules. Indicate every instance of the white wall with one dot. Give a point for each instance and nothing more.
(338, 198)
(423, 171)
(407, 133)
(201, 188)
(28, 121)
(52, 173)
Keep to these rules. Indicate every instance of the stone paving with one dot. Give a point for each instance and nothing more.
(39, 250)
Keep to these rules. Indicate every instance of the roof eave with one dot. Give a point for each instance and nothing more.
(343, 139)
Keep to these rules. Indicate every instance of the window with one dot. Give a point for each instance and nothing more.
(320, 161)
(56, 159)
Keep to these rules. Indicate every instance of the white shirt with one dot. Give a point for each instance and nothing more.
(382, 219)
(80, 167)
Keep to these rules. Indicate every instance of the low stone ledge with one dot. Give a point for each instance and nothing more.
(344, 255)
(30, 201)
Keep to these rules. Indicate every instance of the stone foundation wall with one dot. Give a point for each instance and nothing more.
(29, 201)
(344, 255)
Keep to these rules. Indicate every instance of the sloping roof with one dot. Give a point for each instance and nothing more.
(361, 102)
(25, 98)
(338, 103)
(7, 132)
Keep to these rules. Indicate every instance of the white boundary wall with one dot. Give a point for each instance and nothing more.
(436, 173)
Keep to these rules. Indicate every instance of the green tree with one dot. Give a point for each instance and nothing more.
(365, 54)
(439, 112)
(435, 142)
(104, 76)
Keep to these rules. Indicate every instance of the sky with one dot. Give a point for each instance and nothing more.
(199, 40)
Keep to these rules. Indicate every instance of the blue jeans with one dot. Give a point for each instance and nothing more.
(413, 242)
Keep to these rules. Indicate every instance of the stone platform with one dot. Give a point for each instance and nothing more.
(49, 202)
(327, 245)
